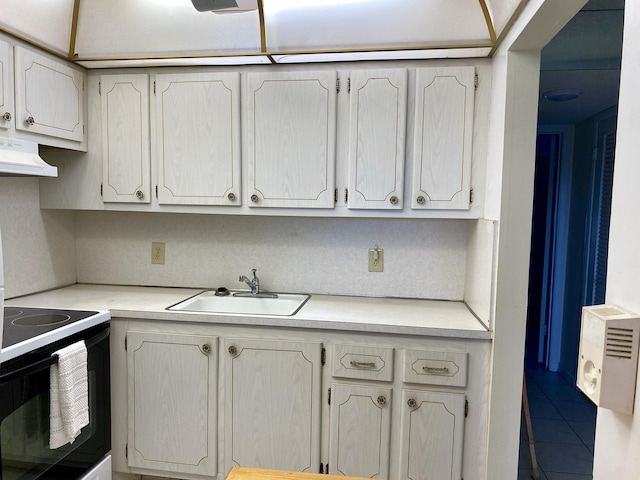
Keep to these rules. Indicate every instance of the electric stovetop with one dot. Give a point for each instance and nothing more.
(26, 328)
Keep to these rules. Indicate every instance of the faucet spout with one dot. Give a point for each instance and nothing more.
(253, 283)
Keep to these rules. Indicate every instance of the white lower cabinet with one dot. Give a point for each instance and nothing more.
(393, 411)
(432, 428)
(172, 399)
(360, 430)
(272, 405)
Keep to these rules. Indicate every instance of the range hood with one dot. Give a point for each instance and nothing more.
(20, 158)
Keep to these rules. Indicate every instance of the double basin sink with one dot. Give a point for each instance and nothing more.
(242, 303)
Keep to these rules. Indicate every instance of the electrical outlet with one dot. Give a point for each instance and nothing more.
(157, 253)
(376, 260)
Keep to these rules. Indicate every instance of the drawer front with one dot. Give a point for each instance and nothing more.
(433, 367)
(365, 362)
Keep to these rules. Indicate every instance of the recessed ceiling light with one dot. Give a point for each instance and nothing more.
(563, 95)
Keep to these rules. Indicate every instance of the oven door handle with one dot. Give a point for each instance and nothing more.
(48, 361)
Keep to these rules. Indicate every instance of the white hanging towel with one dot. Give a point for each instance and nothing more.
(69, 405)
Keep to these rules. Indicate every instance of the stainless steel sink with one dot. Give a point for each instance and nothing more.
(282, 304)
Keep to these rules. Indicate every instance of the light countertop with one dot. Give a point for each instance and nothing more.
(360, 314)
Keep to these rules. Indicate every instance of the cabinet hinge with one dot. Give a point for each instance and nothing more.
(335, 196)
(326, 469)
(475, 81)
(349, 85)
(126, 450)
(338, 85)
(156, 191)
(125, 344)
(323, 356)
(99, 88)
(329, 396)
(466, 408)
(101, 190)
(321, 468)
(471, 196)
(346, 196)
(154, 87)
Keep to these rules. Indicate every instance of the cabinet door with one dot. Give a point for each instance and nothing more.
(49, 96)
(360, 429)
(291, 128)
(198, 138)
(125, 138)
(172, 402)
(432, 428)
(6, 93)
(378, 109)
(272, 409)
(443, 135)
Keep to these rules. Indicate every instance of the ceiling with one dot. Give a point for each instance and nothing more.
(113, 33)
(585, 55)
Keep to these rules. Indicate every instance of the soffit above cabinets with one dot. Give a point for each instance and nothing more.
(114, 33)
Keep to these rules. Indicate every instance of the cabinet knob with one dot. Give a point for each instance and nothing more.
(232, 197)
(233, 350)
(254, 198)
(139, 194)
(206, 348)
(421, 200)
(6, 117)
(412, 403)
(393, 200)
(30, 120)
(382, 400)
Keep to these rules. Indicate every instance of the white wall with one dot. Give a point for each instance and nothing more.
(618, 436)
(38, 245)
(422, 258)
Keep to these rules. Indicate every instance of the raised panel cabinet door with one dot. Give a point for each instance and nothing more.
(378, 110)
(125, 138)
(443, 138)
(291, 129)
(272, 407)
(360, 431)
(432, 429)
(198, 138)
(6, 92)
(172, 402)
(49, 96)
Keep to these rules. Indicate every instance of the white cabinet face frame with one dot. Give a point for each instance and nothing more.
(6, 92)
(291, 130)
(443, 138)
(198, 138)
(360, 431)
(172, 402)
(49, 96)
(272, 404)
(377, 110)
(125, 138)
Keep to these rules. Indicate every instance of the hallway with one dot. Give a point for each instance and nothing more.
(563, 422)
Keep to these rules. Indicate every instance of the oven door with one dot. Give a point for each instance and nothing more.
(24, 414)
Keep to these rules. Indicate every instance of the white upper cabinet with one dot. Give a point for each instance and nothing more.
(49, 96)
(291, 130)
(377, 119)
(198, 138)
(443, 138)
(125, 138)
(6, 93)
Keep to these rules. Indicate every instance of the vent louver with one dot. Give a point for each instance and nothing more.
(619, 342)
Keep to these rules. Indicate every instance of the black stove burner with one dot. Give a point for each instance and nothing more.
(24, 323)
(41, 320)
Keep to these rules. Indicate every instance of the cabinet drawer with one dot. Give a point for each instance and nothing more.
(365, 362)
(433, 367)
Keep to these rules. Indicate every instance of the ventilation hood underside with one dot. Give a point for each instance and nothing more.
(20, 158)
(115, 33)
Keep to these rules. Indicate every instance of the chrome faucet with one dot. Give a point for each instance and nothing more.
(254, 283)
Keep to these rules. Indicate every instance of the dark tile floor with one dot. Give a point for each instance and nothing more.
(563, 420)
